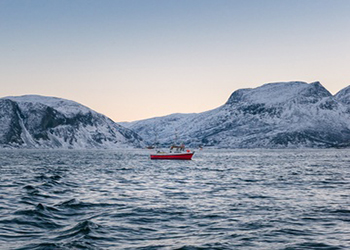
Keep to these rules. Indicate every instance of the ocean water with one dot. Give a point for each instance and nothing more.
(222, 199)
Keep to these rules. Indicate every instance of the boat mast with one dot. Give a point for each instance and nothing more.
(176, 138)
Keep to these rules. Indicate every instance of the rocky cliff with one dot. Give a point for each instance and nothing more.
(47, 122)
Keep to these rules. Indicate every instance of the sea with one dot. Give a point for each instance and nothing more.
(221, 199)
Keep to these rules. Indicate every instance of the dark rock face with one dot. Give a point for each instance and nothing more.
(44, 122)
(10, 131)
(275, 115)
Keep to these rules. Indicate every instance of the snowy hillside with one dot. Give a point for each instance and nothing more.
(275, 115)
(34, 121)
(343, 96)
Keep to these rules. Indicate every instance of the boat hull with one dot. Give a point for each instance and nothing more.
(184, 156)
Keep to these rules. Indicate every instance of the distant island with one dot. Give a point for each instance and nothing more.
(275, 115)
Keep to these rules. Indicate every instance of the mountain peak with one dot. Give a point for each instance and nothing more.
(280, 92)
(67, 107)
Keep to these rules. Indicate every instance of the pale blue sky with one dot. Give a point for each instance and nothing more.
(138, 59)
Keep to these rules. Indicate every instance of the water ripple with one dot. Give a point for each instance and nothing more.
(222, 199)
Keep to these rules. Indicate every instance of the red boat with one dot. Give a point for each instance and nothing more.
(172, 156)
(179, 154)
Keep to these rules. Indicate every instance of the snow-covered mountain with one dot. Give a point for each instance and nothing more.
(275, 115)
(34, 121)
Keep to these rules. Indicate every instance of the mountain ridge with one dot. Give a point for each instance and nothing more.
(274, 115)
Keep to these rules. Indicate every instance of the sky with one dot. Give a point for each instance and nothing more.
(137, 59)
